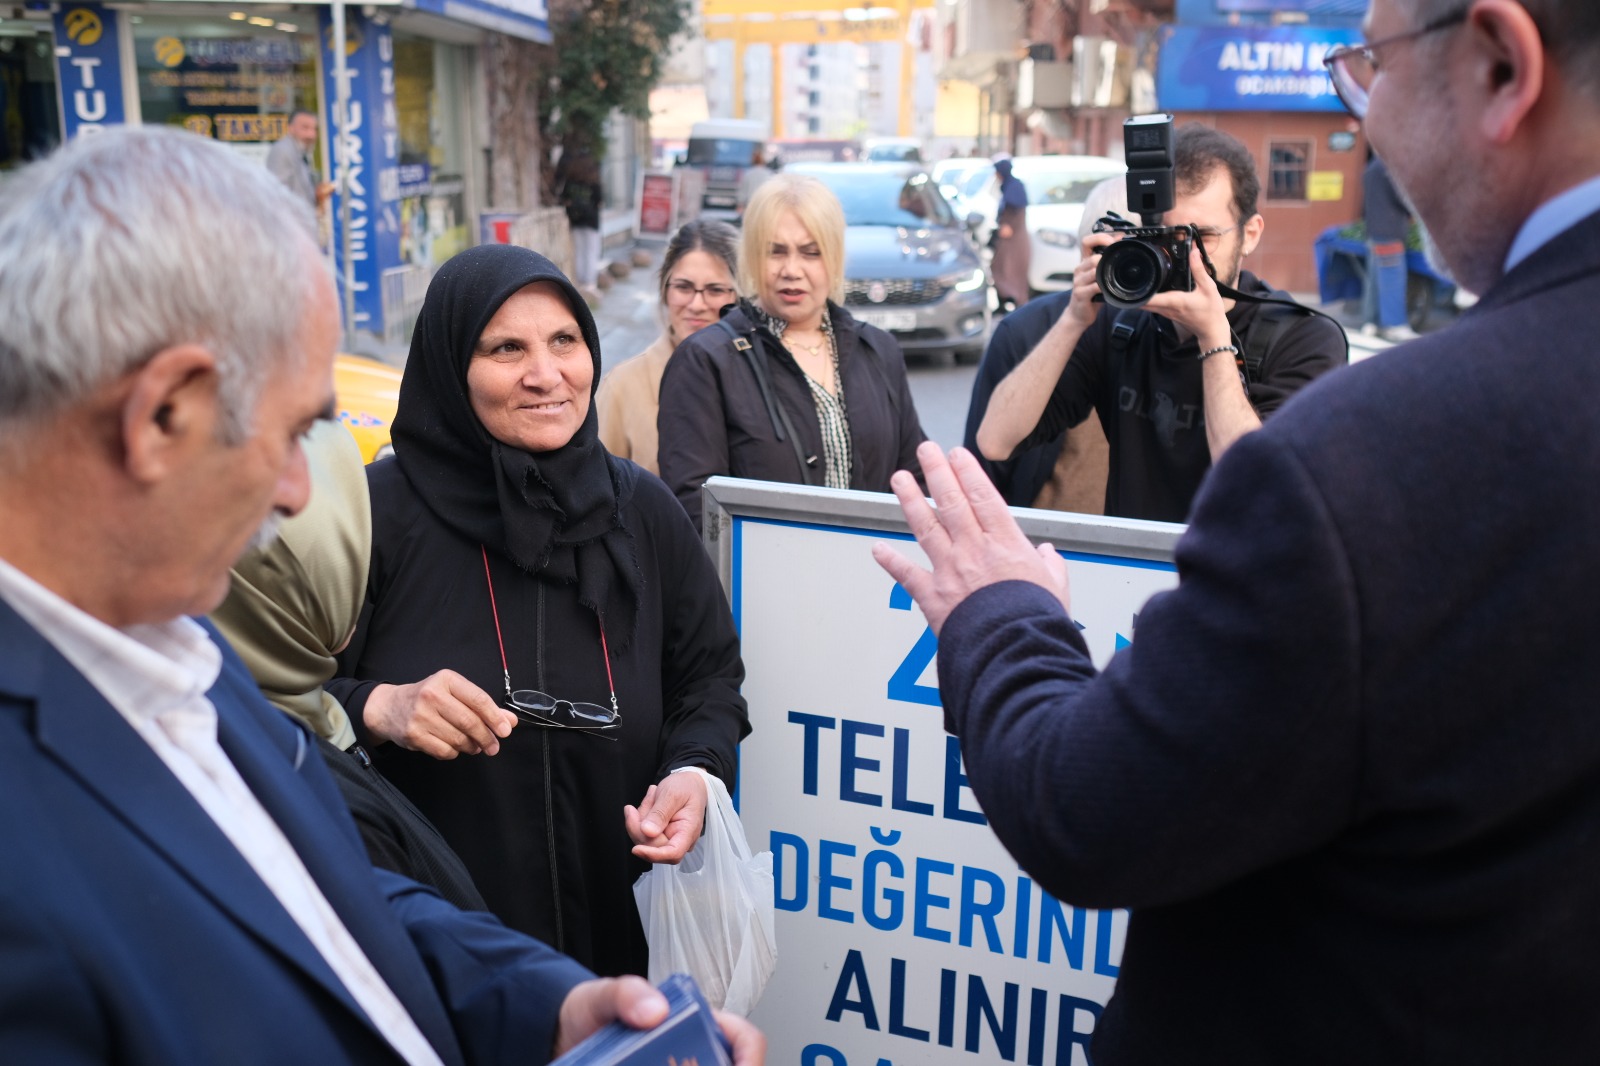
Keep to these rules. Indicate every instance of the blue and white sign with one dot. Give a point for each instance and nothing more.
(1222, 11)
(528, 19)
(88, 68)
(906, 933)
(1248, 68)
(372, 140)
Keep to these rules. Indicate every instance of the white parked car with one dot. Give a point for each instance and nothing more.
(1057, 185)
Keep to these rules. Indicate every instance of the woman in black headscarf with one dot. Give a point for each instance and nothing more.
(543, 632)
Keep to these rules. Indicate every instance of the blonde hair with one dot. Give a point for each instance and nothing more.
(817, 209)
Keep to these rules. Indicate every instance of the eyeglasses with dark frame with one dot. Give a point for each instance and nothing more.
(683, 291)
(541, 709)
(1353, 68)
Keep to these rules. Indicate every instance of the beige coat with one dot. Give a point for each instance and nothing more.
(627, 401)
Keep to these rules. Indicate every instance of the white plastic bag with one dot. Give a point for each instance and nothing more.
(711, 916)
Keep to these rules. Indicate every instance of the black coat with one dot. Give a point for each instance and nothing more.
(539, 825)
(1348, 774)
(715, 420)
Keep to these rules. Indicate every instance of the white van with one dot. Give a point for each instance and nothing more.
(724, 149)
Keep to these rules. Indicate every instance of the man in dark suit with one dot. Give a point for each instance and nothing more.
(1348, 775)
(181, 883)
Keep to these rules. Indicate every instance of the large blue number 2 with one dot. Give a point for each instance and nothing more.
(903, 685)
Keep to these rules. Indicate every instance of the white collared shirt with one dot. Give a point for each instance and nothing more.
(157, 677)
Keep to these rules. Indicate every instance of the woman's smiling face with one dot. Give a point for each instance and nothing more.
(531, 374)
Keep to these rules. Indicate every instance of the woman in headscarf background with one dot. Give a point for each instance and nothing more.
(697, 282)
(291, 606)
(789, 386)
(1013, 253)
(511, 553)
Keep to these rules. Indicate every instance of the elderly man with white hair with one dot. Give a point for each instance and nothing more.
(181, 882)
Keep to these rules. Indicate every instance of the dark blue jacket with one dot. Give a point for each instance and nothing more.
(1348, 774)
(132, 930)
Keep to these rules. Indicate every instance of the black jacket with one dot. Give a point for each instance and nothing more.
(539, 825)
(1348, 774)
(715, 417)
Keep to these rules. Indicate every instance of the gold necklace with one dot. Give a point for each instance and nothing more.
(814, 349)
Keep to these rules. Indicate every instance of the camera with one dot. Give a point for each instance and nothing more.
(1147, 260)
(1150, 258)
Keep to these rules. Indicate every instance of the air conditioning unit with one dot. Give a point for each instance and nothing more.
(1101, 69)
(1042, 84)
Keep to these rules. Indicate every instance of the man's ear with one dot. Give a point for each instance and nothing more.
(171, 403)
(1508, 66)
(1250, 233)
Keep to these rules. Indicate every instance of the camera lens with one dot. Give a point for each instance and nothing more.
(1131, 271)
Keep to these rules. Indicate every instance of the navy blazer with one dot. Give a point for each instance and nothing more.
(1348, 774)
(131, 929)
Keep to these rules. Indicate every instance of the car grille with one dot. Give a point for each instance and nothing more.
(900, 291)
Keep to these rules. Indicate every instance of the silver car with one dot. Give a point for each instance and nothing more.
(909, 267)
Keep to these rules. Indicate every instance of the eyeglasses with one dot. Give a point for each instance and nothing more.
(1352, 68)
(682, 292)
(538, 708)
(1210, 237)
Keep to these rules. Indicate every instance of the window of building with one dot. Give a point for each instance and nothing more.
(813, 98)
(1287, 166)
(813, 124)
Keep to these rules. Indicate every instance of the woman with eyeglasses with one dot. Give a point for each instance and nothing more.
(544, 642)
(788, 386)
(696, 277)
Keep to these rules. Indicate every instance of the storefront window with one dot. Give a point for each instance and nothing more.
(429, 86)
(30, 125)
(234, 78)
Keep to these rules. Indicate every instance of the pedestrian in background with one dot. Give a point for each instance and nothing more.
(697, 282)
(1383, 299)
(582, 197)
(1013, 253)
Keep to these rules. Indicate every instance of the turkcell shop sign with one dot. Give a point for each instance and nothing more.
(1248, 68)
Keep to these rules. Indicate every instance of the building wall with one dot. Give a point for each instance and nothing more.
(1284, 257)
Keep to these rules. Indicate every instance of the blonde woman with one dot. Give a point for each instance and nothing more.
(697, 282)
(788, 386)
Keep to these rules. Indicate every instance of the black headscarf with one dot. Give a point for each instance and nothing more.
(555, 513)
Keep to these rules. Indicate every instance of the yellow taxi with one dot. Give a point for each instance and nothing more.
(367, 393)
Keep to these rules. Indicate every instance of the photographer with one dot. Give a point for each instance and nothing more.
(1168, 379)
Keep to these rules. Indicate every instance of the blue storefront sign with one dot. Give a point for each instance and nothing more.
(372, 140)
(1248, 68)
(1222, 11)
(88, 68)
(528, 19)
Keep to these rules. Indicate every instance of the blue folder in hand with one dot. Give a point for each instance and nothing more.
(688, 1037)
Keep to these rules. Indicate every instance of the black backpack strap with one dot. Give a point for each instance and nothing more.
(1124, 328)
(782, 427)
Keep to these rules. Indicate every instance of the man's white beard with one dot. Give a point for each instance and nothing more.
(267, 534)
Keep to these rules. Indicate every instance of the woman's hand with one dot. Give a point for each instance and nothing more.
(1006, 231)
(673, 814)
(633, 1002)
(444, 716)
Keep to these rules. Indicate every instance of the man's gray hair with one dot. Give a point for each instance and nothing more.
(1109, 195)
(137, 239)
(1570, 30)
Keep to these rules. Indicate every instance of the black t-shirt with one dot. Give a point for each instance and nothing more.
(1152, 403)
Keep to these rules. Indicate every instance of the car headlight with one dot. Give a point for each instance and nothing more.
(1060, 238)
(967, 281)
